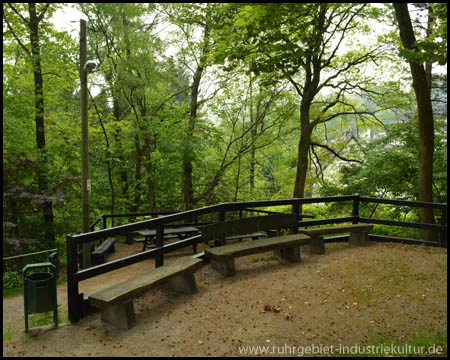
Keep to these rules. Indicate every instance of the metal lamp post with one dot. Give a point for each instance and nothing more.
(85, 68)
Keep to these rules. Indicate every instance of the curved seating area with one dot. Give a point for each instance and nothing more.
(116, 302)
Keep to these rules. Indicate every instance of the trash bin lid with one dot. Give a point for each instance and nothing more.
(37, 266)
(39, 276)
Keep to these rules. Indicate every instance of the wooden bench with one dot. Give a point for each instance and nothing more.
(98, 256)
(287, 247)
(359, 233)
(142, 240)
(116, 302)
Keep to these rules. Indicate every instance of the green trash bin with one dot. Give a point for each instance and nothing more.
(39, 291)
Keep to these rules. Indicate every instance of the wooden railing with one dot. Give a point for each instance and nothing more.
(74, 275)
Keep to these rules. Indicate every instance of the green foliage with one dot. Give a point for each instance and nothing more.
(11, 280)
(399, 232)
(265, 50)
(244, 145)
(390, 168)
(21, 160)
(432, 48)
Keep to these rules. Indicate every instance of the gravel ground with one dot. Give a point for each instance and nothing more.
(349, 296)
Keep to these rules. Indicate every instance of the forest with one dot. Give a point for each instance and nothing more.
(194, 104)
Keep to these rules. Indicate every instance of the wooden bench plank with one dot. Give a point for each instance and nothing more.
(107, 245)
(287, 247)
(359, 233)
(258, 246)
(98, 256)
(336, 229)
(138, 285)
(166, 237)
(116, 302)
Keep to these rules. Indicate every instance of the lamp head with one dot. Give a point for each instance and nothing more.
(90, 66)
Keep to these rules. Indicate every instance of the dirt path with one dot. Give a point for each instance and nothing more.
(350, 295)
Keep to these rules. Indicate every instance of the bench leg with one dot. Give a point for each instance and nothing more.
(218, 242)
(184, 283)
(120, 315)
(316, 246)
(359, 238)
(225, 267)
(112, 249)
(128, 239)
(97, 259)
(289, 254)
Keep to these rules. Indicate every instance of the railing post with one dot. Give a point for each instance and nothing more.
(221, 214)
(296, 211)
(220, 218)
(74, 300)
(444, 228)
(159, 259)
(104, 221)
(297, 208)
(356, 201)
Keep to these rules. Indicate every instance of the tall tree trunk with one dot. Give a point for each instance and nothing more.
(151, 195)
(188, 189)
(254, 131)
(137, 177)
(117, 110)
(310, 88)
(252, 170)
(425, 115)
(42, 175)
(108, 162)
(303, 150)
(111, 186)
(238, 175)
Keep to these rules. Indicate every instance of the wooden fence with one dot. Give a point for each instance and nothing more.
(76, 302)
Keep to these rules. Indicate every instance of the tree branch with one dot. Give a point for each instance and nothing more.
(164, 101)
(44, 10)
(334, 152)
(18, 14)
(370, 55)
(12, 31)
(318, 162)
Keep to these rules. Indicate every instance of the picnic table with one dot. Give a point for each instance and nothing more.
(180, 232)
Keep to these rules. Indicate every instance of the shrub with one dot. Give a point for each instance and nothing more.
(11, 280)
